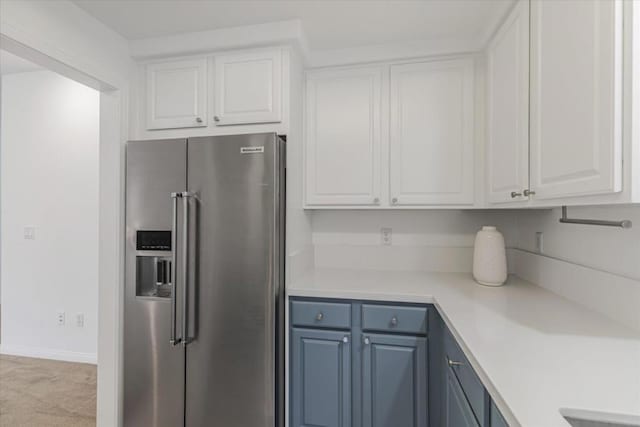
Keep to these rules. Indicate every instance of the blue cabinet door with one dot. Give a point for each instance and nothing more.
(458, 412)
(320, 392)
(394, 381)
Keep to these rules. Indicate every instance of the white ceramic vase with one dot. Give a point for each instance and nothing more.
(489, 257)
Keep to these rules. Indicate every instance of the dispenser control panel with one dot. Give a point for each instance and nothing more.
(153, 240)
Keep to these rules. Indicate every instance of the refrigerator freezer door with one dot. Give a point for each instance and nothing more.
(236, 259)
(153, 368)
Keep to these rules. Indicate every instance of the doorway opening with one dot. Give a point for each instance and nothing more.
(49, 207)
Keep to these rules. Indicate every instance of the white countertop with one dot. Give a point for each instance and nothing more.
(535, 352)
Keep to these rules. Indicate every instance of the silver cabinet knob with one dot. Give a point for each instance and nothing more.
(394, 321)
(367, 341)
(394, 200)
(514, 194)
(319, 316)
(198, 120)
(528, 192)
(376, 201)
(345, 340)
(453, 363)
(216, 118)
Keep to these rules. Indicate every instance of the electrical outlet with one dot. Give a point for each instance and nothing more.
(60, 317)
(539, 242)
(385, 236)
(30, 233)
(80, 320)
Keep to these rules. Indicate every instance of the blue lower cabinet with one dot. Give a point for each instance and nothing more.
(457, 412)
(394, 381)
(320, 392)
(497, 420)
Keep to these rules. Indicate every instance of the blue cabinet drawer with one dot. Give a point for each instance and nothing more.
(392, 318)
(469, 382)
(321, 314)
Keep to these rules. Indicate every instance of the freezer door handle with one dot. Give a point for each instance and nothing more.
(173, 340)
(185, 265)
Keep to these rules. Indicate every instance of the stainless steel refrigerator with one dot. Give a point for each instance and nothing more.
(203, 316)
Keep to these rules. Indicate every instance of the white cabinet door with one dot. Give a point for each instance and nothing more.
(248, 88)
(576, 98)
(176, 94)
(342, 144)
(508, 109)
(431, 153)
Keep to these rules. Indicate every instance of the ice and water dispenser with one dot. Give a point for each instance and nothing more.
(153, 269)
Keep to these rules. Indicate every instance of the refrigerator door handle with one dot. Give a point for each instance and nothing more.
(173, 340)
(185, 265)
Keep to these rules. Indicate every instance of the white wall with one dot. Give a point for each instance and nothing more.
(431, 240)
(614, 250)
(598, 267)
(49, 164)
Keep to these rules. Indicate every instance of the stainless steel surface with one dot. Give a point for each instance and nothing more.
(622, 224)
(515, 194)
(528, 193)
(234, 357)
(153, 368)
(173, 340)
(227, 256)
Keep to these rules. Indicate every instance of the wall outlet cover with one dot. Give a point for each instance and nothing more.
(386, 236)
(60, 318)
(30, 233)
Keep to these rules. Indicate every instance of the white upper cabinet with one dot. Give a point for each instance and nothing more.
(248, 87)
(508, 109)
(431, 130)
(342, 137)
(576, 98)
(176, 94)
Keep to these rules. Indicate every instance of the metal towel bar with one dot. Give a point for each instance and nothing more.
(622, 224)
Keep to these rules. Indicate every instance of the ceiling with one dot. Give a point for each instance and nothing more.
(328, 24)
(11, 64)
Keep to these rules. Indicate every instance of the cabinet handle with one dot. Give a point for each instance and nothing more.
(345, 339)
(376, 201)
(453, 363)
(394, 321)
(367, 341)
(216, 118)
(394, 200)
(514, 194)
(319, 316)
(198, 120)
(528, 192)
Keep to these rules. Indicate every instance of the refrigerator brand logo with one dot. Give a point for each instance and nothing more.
(250, 150)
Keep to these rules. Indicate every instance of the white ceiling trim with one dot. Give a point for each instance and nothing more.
(269, 34)
(393, 51)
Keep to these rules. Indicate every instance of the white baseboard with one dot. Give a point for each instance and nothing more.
(610, 294)
(47, 353)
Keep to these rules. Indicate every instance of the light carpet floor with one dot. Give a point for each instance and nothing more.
(46, 393)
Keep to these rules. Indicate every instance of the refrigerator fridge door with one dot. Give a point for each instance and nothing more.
(234, 314)
(153, 368)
